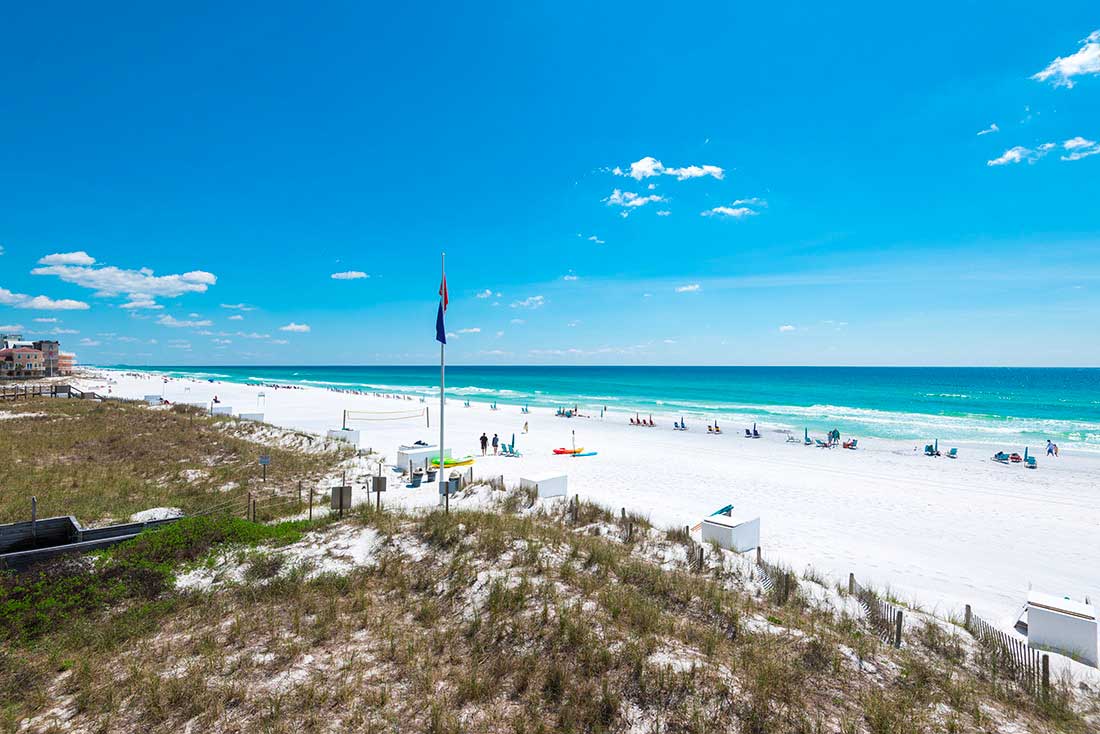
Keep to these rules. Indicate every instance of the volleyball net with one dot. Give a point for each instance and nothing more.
(386, 415)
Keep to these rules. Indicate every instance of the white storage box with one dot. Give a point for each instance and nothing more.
(1062, 625)
(547, 485)
(732, 533)
(345, 434)
(420, 456)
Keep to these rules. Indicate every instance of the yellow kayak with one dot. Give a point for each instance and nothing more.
(464, 461)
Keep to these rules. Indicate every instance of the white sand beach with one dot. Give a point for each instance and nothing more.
(940, 533)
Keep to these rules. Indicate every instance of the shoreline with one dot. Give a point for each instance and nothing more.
(955, 427)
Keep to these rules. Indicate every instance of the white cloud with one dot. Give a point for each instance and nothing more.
(663, 212)
(11, 327)
(737, 209)
(1085, 61)
(40, 303)
(350, 275)
(569, 276)
(236, 317)
(487, 293)
(89, 342)
(296, 328)
(630, 200)
(530, 302)
(279, 341)
(59, 331)
(223, 341)
(1079, 148)
(786, 328)
(251, 335)
(991, 129)
(171, 321)
(649, 166)
(689, 288)
(471, 330)
(517, 322)
(139, 301)
(68, 258)
(1015, 154)
(77, 268)
(238, 307)
(50, 320)
(597, 240)
(737, 212)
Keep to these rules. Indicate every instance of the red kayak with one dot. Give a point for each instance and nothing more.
(569, 451)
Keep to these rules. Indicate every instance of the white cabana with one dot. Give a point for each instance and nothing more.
(1062, 625)
(547, 485)
(732, 533)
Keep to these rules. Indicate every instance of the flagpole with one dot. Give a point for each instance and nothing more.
(442, 402)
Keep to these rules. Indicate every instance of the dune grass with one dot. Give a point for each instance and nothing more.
(99, 461)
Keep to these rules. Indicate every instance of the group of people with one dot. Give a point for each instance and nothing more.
(485, 444)
(1052, 448)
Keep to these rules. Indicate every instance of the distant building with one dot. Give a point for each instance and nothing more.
(21, 363)
(51, 356)
(13, 341)
(65, 363)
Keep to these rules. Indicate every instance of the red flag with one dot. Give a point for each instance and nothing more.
(443, 291)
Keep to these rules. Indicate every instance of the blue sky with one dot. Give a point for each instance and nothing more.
(628, 184)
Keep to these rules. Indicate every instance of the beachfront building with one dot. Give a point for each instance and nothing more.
(21, 363)
(51, 356)
(65, 363)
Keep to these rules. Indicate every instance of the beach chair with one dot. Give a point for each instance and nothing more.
(717, 429)
(1031, 463)
(952, 454)
(851, 443)
(1000, 457)
(791, 438)
(821, 444)
(748, 433)
(417, 477)
(710, 428)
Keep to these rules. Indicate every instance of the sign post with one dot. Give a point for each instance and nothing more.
(265, 459)
(379, 485)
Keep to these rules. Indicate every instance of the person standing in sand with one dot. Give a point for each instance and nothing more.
(496, 444)
(525, 426)
(484, 444)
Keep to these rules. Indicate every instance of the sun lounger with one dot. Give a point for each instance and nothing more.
(1031, 463)
(1000, 457)
(851, 443)
(417, 477)
(952, 454)
(748, 433)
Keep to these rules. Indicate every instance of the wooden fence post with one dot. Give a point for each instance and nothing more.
(852, 584)
(969, 616)
(897, 630)
(299, 495)
(248, 507)
(758, 556)
(311, 503)
(1046, 675)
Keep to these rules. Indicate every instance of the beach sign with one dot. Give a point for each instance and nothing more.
(265, 459)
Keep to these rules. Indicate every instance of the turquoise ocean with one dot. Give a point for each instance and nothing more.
(1010, 406)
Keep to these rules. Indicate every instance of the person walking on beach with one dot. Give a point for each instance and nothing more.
(496, 444)
(525, 426)
(484, 444)
(1050, 448)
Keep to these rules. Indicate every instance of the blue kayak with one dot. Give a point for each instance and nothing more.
(586, 453)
